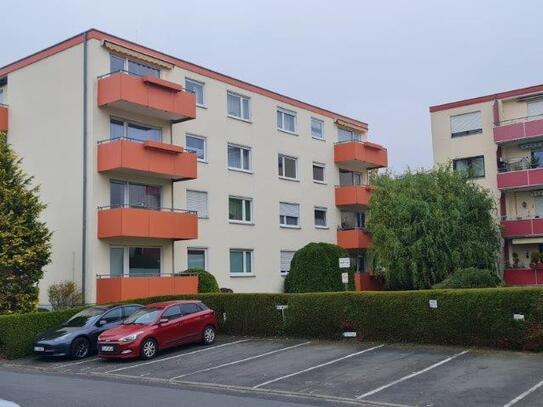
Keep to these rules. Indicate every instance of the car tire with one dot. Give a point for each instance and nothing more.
(208, 335)
(148, 349)
(80, 348)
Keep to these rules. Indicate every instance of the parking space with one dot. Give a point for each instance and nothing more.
(343, 371)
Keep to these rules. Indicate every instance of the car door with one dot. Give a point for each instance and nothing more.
(191, 322)
(169, 333)
(110, 319)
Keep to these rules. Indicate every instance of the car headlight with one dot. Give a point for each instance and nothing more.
(131, 337)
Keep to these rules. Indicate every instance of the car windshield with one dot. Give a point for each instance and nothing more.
(81, 318)
(144, 316)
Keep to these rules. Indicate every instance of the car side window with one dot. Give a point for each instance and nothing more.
(187, 309)
(129, 310)
(114, 315)
(172, 312)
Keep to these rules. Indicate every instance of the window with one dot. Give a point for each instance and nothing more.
(241, 261)
(134, 195)
(472, 167)
(287, 166)
(187, 309)
(239, 158)
(352, 220)
(118, 63)
(286, 120)
(114, 315)
(318, 172)
(289, 215)
(320, 217)
(172, 313)
(239, 209)
(286, 259)
(196, 259)
(2, 97)
(129, 310)
(317, 128)
(197, 88)
(197, 145)
(197, 201)
(349, 178)
(467, 123)
(535, 107)
(134, 261)
(238, 106)
(344, 135)
(123, 129)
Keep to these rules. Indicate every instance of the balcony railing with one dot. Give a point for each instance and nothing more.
(353, 195)
(146, 95)
(519, 129)
(357, 155)
(146, 158)
(522, 226)
(155, 223)
(3, 117)
(520, 174)
(353, 238)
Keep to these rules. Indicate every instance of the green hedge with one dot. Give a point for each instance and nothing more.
(469, 317)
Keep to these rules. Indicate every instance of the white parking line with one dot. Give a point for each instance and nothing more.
(524, 395)
(176, 356)
(316, 367)
(241, 360)
(410, 376)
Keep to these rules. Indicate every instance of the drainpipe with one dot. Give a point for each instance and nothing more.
(85, 136)
(173, 241)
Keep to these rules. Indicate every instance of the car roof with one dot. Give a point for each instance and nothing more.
(165, 304)
(111, 306)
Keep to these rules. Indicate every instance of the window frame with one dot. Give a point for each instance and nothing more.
(320, 165)
(242, 159)
(244, 273)
(204, 139)
(241, 109)
(203, 85)
(283, 157)
(454, 163)
(126, 258)
(321, 209)
(282, 112)
(133, 60)
(126, 194)
(322, 128)
(127, 122)
(283, 223)
(202, 249)
(243, 210)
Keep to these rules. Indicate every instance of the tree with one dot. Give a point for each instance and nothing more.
(427, 224)
(25, 247)
(206, 281)
(63, 295)
(315, 268)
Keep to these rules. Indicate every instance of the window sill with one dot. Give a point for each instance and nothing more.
(242, 275)
(289, 179)
(320, 182)
(201, 106)
(241, 119)
(322, 227)
(240, 170)
(318, 138)
(292, 133)
(290, 227)
(284, 274)
(240, 222)
(203, 217)
(202, 161)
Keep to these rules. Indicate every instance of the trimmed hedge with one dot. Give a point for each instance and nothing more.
(470, 277)
(469, 317)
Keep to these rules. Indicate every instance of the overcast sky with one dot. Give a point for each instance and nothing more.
(383, 62)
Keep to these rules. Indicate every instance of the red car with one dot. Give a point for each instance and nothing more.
(159, 326)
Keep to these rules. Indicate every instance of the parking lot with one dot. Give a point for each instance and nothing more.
(342, 372)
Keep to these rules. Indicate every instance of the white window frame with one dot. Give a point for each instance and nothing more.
(282, 157)
(325, 210)
(282, 112)
(126, 122)
(126, 257)
(204, 139)
(203, 85)
(321, 165)
(207, 202)
(241, 169)
(285, 273)
(322, 128)
(203, 249)
(243, 211)
(283, 218)
(244, 273)
(241, 109)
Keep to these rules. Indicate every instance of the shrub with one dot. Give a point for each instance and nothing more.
(315, 268)
(206, 281)
(63, 295)
(470, 278)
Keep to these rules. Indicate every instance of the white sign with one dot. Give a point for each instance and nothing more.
(349, 334)
(344, 262)
(281, 307)
(344, 278)
(518, 317)
(433, 303)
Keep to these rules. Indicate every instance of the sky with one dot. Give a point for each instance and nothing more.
(383, 62)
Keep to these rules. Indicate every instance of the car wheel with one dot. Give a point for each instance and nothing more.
(80, 348)
(208, 336)
(148, 349)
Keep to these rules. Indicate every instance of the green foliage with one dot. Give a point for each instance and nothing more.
(65, 294)
(315, 268)
(25, 247)
(206, 281)
(471, 278)
(426, 224)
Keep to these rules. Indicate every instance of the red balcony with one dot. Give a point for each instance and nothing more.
(115, 289)
(521, 179)
(147, 158)
(353, 239)
(146, 95)
(359, 155)
(353, 195)
(522, 227)
(3, 118)
(519, 277)
(521, 130)
(147, 223)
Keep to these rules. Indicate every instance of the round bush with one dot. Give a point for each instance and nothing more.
(470, 278)
(206, 281)
(315, 268)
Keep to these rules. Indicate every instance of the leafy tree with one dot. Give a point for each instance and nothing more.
(64, 295)
(315, 268)
(25, 247)
(427, 224)
(206, 281)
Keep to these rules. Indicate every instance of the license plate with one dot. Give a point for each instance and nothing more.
(39, 348)
(107, 348)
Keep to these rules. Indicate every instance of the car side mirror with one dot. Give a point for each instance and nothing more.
(163, 320)
(102, 322)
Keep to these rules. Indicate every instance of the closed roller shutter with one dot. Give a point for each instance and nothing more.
(286, 209)
(286, 258)
(535, 108)
(197, 201)
(467, 123)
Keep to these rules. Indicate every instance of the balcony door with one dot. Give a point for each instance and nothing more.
(134, 195)
(349, 178)
(134, 131)
(538, 206)
(135, 261)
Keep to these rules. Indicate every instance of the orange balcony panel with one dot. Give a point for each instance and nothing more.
(148, 223)
(115, 289)
(3, 118)
(353, 195)
(147, 158)
(523, 130)
(353, 239)
(146, 95)
(356, 155)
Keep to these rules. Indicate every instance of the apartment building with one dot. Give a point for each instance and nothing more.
(151, 165)
(498, 139)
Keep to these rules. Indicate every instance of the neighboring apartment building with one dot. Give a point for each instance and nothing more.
(499, 139)
(118, 134)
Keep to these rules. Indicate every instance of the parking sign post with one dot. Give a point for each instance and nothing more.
(345, 263)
